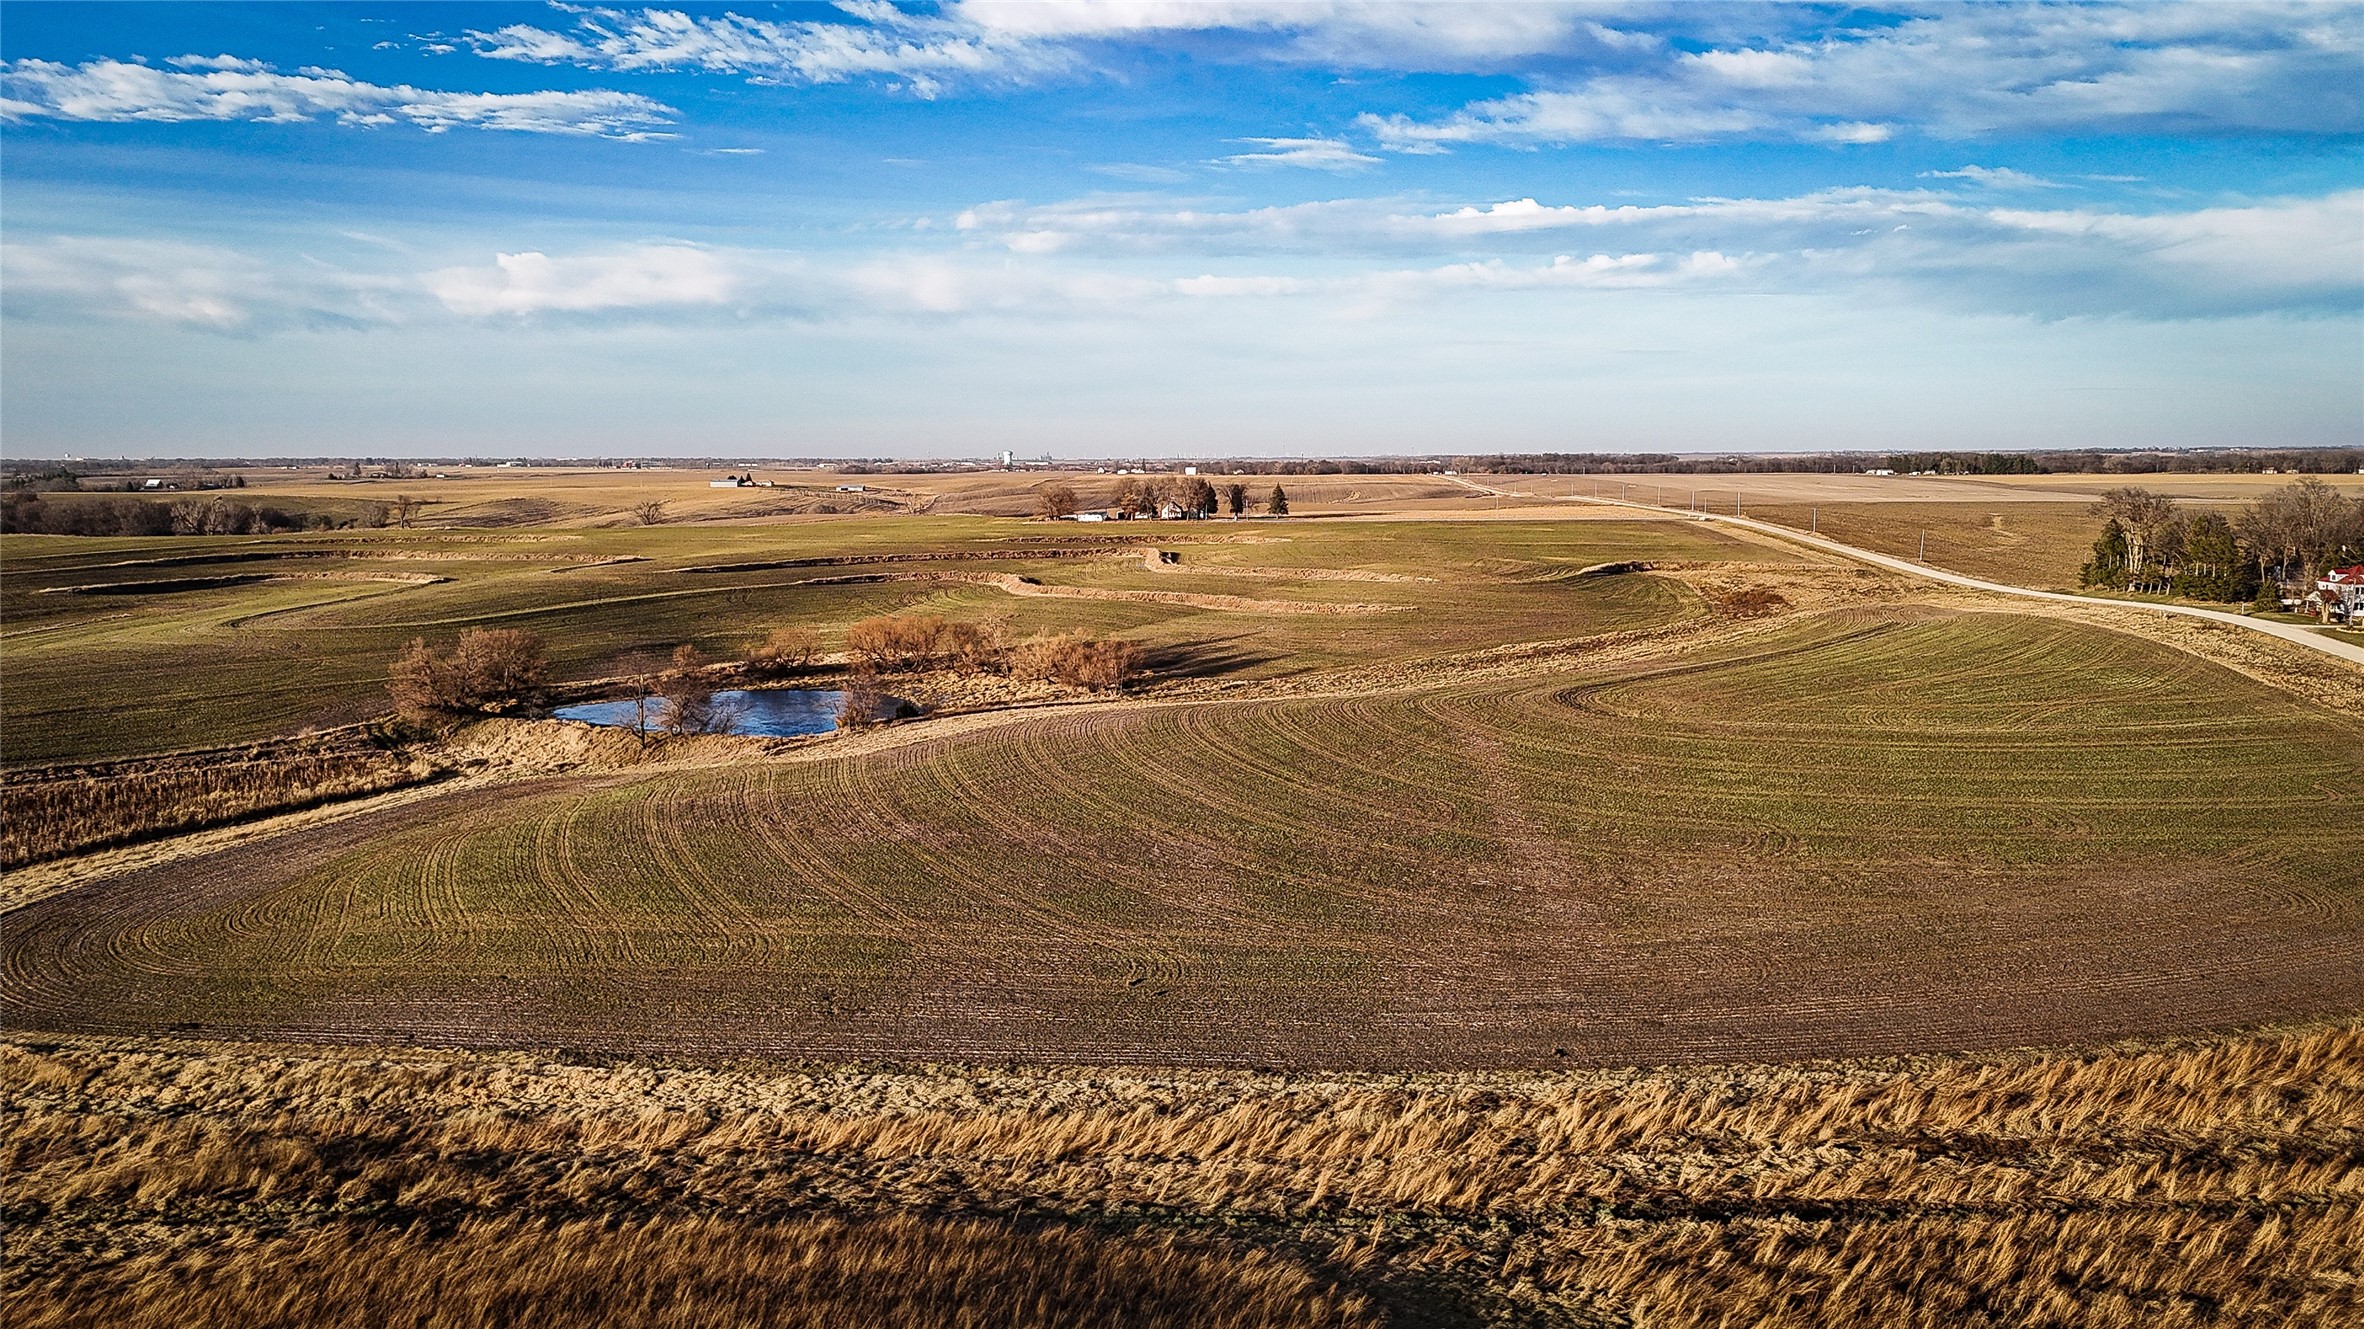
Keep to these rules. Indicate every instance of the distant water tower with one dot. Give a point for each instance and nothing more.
(1006, 459)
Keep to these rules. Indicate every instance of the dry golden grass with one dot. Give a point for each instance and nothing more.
(694, 1273)
(46, 815)
(2215, 1182)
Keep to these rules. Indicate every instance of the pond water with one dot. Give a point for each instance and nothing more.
(768, 713)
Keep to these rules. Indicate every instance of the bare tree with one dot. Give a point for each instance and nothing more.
(1135, 498)
(862, 701)
(1055, 502)
(486, 669)
(975, 648)
(896, 641)
(786, 650)
(2302, 525)
(688, 694)
(1103, 665)
(2153, 529)
(404, 512)
(650, 513)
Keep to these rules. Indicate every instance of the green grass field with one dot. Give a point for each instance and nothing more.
(1858, 832)
(103, 675)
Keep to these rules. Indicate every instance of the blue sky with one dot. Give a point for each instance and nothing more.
(1095, 229)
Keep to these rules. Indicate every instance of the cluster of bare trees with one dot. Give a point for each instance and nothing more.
(922, 641)
(2150, 543)
(2304, 527)
(486, 669)
(1147, 496)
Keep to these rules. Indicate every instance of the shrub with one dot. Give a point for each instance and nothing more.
(486, 668)
(1077, 661)
(785, 651)
(896, 641)
(976, 648)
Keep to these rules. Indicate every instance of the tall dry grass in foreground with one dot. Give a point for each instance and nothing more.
(46, 815)
(691, 1273)
(2215, 1183)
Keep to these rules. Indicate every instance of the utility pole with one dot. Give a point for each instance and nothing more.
(1735, 502)
(1813, 521)
(1924, 546)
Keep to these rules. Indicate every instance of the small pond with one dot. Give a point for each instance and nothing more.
(768, 713)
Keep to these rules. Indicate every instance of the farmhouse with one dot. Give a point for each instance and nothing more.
(2341, 593)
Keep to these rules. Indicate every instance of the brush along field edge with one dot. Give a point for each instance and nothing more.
(2289, 632)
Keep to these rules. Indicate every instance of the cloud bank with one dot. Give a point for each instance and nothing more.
(1956, 72)
(1912, 248)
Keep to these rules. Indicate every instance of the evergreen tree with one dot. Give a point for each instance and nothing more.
(1278, 504)
(2108, 567)
(2214, 566)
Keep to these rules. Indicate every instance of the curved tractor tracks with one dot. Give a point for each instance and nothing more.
(1312, 877)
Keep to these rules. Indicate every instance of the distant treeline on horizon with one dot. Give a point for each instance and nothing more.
(214, 472)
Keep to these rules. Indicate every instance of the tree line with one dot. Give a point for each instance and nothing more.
(2149, 543)
(27, 512)
(1147, 495)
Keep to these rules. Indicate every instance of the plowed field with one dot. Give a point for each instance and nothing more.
(1868, 831)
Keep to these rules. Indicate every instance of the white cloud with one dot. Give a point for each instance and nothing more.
(1321, 154)
(228, 63)
(926, 53)
(231, 89)
(199, 286)
(1995, 177)
(1959, 71)
(2293, 255)
(1851, 131)
(1124, 258)
(1211, 285)
(1393, 34)
(650, 276)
